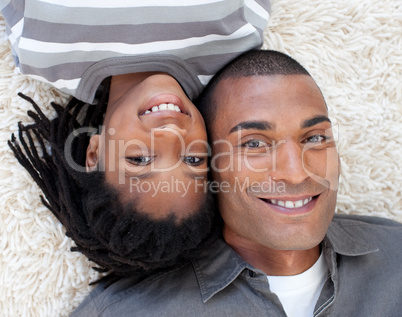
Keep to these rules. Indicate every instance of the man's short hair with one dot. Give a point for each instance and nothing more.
(251, 63)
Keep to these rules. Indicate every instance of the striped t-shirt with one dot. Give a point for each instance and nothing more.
(75, 44)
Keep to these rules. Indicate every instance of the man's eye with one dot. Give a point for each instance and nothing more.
(316, 139)
(254, 144)
(141, 160)
(193, 160)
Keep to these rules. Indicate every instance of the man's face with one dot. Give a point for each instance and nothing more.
(275, 159)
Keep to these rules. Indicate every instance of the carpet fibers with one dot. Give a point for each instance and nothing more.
(354, 51)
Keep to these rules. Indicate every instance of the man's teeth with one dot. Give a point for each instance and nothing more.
(164, 106)
(291, 204)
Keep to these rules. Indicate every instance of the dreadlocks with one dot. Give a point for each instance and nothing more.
(121, 240)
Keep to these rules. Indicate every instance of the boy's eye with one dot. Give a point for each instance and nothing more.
(193, 160)
(253, 144)
(141, 160)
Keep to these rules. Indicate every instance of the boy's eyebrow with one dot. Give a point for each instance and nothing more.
(194, 175)
(255, 125)
(145, 175)
(313, 121)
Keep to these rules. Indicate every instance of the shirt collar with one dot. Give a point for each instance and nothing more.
(221, 265)
(347, 242)
(218, 268)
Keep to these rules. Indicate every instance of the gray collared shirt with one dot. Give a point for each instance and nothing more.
(363, 254)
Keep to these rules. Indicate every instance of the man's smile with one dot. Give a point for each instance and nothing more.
(292, 206)
(290, 203)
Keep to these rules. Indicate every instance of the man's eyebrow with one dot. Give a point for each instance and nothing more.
(255, 125)
(313, 121)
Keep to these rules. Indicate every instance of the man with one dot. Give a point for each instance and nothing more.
(283, 252)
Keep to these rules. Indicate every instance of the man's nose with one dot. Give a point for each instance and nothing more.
(287, 162)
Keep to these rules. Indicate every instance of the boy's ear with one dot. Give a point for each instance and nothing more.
(92, 160)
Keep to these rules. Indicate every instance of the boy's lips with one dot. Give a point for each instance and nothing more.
(163, 107)
(164, 102)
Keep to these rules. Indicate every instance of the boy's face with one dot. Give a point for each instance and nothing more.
(153, 145)
(275, 159)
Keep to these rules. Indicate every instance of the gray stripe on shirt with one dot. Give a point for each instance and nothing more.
(66, 71)
(71, 33)
(13, 11)
(4, 3)
(45, 62)
(91, 16)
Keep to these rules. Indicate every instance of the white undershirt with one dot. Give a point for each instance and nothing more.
(299, 293)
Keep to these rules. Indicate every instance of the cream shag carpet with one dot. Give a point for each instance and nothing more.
(353, 48)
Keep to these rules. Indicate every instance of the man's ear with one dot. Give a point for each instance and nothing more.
(92, 160)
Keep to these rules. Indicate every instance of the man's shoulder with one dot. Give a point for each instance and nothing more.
(151, 296)
(360, 234)
(365, 221)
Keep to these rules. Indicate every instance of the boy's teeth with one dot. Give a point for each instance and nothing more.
(291, 204)
(164, 106)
